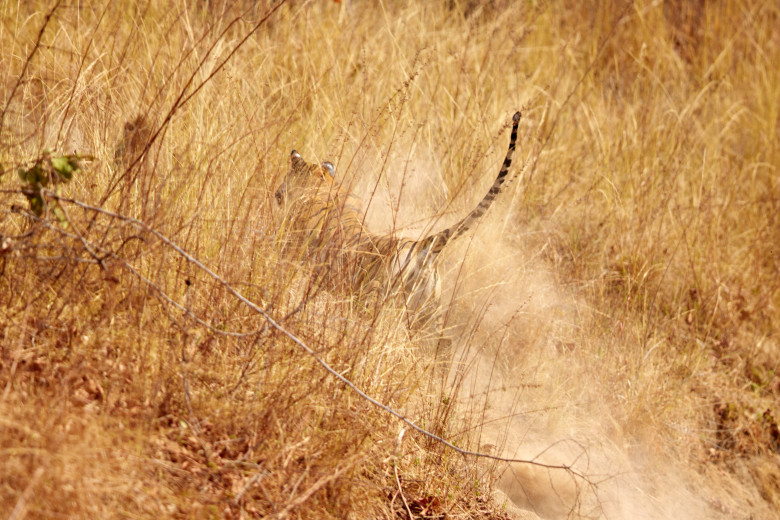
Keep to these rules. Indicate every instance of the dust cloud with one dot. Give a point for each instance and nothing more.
(523, 374)
(523, 383)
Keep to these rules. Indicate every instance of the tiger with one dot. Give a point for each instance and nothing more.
(327, 221)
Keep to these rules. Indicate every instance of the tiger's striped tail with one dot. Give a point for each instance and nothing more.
(436, 242)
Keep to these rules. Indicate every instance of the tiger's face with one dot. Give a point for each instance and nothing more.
(302, 175)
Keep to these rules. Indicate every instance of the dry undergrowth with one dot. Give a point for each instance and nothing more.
(617, 313)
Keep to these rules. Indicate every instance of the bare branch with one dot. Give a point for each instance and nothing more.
(295, 339)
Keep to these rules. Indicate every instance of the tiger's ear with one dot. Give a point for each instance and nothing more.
(331, 169)
(296, 161)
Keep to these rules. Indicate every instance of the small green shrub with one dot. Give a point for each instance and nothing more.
(48, 170)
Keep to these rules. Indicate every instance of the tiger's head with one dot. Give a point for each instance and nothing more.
(302, 175)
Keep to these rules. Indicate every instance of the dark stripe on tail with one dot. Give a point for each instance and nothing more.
(440, 239)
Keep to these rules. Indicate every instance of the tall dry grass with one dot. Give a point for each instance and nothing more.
(614, 313)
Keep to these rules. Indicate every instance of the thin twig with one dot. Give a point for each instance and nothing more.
(30, 56)
(257, 477)
(184, 98)
(92, 249)
(21, 504)
(81, 238)
(322, 482)
(72, 95)
(398, 443)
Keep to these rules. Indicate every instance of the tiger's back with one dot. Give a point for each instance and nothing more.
(327, 222)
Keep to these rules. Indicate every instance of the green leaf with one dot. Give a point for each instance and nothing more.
(60, 216)
(64, 166)
(61, 164)
(36, 203)
(32, 177)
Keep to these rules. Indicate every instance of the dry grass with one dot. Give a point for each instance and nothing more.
(617, 313)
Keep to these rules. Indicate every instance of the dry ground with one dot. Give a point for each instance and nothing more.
(615, 314)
